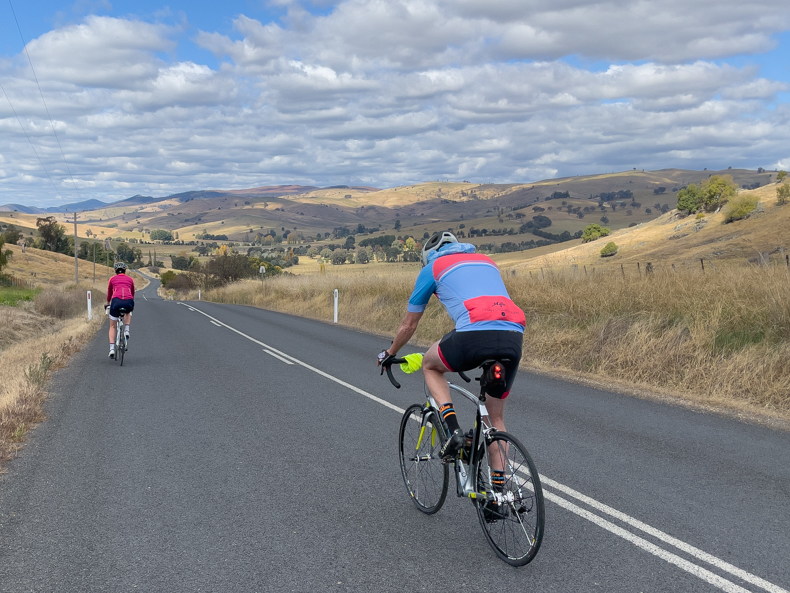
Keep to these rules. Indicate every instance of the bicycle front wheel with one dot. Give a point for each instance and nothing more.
(512, 513)
(420, 441)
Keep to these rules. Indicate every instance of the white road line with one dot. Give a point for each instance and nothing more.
(215, 323)
(690, 567)
(277, 356)
(658, 534)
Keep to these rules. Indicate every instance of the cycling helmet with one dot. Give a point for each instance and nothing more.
(119, 266)
(435, 243)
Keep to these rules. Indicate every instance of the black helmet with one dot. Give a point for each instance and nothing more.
(435, 243)
(120, 266)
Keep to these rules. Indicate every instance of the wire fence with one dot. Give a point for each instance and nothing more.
(774, 259)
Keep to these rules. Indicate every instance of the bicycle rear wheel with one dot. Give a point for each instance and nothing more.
(514, 525)
(420, 441)
(120, 346)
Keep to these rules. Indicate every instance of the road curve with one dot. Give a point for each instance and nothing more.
(245, 450)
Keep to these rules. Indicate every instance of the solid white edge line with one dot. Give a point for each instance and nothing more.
(277, 356)
(214, 322)
(644, 544)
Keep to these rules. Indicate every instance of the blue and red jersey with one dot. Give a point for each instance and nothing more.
(470, 287)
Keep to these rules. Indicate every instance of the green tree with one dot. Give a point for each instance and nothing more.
(690, 199)
(717, 191)
(53, 235)
(12, 235)
(780, 177)
(339, 257)
(594, 231)
(783, 194)
(397, 225)
(161, 235)
(4, 255)
(362, 256)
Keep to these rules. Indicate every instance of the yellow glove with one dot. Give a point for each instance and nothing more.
(413, 363)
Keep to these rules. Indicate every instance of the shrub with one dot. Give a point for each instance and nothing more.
(64, 304)
(609, 249)
(167, 276)
(594, 231)
(740, 207)
(783, 194)
(700, 215)
(780, 177)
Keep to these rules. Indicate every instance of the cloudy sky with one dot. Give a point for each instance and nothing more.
(150, 98)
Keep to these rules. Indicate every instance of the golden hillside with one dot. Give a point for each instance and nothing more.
(683, 241)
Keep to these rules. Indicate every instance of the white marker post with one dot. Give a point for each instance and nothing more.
(336, 305)
(262, 271)
(198, 294)
(90, 309)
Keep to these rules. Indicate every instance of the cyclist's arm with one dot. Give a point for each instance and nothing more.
(405, 331)
(109, 291)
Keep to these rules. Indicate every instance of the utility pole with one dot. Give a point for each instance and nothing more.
(76, 267)
(94, 263)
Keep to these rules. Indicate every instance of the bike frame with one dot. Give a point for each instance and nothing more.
(464, 480)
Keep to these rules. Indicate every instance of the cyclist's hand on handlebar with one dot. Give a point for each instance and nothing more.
(384, 360)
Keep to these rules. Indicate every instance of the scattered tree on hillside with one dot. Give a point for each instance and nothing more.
(12, 235)
(780, 177)
(609, 249)
(711, 195)
(594, 231)
(161, 235)
(783, 194)
(53, 235)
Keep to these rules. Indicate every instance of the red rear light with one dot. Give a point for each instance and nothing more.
(497, 372)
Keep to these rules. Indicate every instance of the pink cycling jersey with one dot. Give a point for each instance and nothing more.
(120, 286)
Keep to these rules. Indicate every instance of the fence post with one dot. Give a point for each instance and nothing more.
(622, 270)
(90, 309)
(638, 269)
(336, 305)
(702, 263)
(787, 260)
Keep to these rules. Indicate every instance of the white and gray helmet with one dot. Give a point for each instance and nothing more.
(435, 243)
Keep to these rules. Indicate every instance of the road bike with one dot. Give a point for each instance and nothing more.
(121, 344)
(511, 513)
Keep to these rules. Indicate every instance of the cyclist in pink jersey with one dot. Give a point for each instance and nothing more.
(488, 325)
(120, 294)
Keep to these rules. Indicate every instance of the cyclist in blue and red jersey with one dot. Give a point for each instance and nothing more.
(120, 294)
(488, 325)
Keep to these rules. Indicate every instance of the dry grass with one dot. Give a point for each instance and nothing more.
(721, 338)
(24, 368)
(36, 338)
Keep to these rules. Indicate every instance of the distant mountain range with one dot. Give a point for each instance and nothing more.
(75, 207)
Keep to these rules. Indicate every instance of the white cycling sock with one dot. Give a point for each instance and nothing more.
(126, 327)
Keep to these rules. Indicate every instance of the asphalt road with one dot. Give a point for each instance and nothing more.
(206, 463)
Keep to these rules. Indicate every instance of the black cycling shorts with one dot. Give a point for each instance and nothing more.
(464, 351)
(117, 304)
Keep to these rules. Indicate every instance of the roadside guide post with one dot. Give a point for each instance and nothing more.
(262, 271)
(90, 308)
(336, 305)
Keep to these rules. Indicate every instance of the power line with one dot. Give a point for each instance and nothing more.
(31, 143)
(51, 123)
